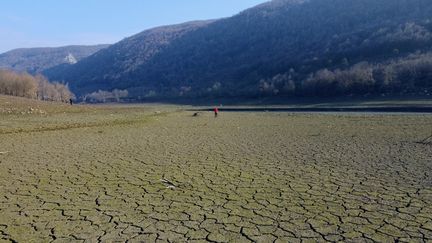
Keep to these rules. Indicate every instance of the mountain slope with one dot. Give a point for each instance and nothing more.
(288, 40)
(123, 58)
(35, 60)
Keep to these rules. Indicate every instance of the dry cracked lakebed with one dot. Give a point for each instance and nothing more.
(243, 177)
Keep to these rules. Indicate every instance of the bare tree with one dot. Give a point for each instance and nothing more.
(34, 87)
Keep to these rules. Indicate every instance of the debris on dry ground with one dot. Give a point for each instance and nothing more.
(427, 140)
(168, 184)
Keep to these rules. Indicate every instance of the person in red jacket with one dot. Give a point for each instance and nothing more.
(216, 111)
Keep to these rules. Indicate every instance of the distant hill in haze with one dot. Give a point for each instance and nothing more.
(283, 47)
(36, 60)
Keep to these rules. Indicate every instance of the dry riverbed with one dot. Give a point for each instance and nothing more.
(157, 173)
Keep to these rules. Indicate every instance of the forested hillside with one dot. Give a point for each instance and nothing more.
(122, 60)
(283, 47)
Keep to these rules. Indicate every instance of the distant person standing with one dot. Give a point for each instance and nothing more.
(70, 101)
(216, 111)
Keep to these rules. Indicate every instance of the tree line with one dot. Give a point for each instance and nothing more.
(408, 75)
(103, 96)
(33, 87)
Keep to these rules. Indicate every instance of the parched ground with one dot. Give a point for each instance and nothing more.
(117, 174)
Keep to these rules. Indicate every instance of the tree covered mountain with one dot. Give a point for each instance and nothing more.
(36, 60)
(283, 47)
(121, 60)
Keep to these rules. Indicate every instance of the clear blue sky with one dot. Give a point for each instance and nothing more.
(41, 23)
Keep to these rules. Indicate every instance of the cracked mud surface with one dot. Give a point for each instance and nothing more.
(243, 177)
